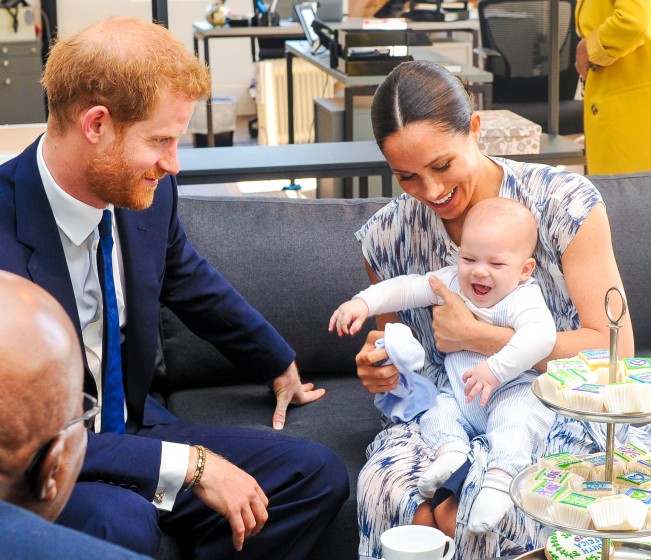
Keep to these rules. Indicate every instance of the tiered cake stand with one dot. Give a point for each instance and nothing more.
(519, 482)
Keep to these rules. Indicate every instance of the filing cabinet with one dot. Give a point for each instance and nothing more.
(21, 94)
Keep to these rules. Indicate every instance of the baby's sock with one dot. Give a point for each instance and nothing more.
(440, 470)
(491, 504)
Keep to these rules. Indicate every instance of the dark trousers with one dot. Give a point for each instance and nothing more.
(305, 482)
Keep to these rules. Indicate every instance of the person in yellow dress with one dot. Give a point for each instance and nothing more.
(614, 60)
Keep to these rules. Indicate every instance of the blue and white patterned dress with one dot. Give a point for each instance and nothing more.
(406, 237)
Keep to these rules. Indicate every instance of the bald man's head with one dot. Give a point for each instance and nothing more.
(41, 375)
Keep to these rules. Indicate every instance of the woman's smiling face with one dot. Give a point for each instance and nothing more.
(437, 167)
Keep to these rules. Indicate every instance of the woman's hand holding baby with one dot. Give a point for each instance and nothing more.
(456, 328)
(452, 320)
(479, 379)
(349, 317)
(376, 379)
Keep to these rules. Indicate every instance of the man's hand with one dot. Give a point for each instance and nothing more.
(349, 317)
(479, 379)
(230, 491)
(376, 379)
(452, 319)
(289, 390)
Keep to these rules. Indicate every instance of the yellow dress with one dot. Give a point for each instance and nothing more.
(617, 108)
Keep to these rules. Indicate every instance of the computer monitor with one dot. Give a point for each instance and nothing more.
(306, 15)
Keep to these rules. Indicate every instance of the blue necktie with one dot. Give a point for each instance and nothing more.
(113, 393)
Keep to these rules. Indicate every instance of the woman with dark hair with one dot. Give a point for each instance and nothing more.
(424, 124)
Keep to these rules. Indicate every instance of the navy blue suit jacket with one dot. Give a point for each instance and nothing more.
(160, 266)
(25, 536)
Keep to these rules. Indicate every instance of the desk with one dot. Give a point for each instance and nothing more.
(554, 150)
(204, 32)
(329, 159)
(479, 81)
(255, 163)
(470, 25)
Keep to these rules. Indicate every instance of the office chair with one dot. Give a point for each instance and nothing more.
(515, 47)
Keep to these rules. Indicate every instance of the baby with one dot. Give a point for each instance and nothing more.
(493, 277)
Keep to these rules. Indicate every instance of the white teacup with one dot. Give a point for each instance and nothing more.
(416, 542)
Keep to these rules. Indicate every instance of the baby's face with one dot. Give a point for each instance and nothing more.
(491, 264)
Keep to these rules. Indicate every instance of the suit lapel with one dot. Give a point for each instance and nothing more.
(138, 235)
(36, 228)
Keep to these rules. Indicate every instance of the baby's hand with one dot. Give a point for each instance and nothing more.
(349, 317)
(479, 379)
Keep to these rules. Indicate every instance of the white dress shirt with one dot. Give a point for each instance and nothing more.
(77, 223)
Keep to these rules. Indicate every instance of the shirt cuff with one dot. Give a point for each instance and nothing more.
(173, 468)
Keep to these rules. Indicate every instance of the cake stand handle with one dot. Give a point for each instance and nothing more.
(614, 326)
(605, 549)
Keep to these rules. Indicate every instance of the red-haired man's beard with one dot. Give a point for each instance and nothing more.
(111, 178)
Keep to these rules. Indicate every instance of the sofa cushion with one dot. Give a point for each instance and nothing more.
(296, 278)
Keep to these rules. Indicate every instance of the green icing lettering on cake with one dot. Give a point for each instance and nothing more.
(559, 550)
(561, 457)
(636, 478)
(589, 388)
(566, 376)
(578, 500)
(583, 548)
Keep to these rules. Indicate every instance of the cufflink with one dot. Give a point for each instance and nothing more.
(159, 496)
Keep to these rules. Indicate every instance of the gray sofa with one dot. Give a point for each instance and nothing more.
(296, 261)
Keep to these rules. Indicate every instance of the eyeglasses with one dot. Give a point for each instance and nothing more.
(91, 410)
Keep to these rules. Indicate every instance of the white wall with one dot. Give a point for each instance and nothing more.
(231, 65)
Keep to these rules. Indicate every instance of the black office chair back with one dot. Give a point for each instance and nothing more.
(519, 31)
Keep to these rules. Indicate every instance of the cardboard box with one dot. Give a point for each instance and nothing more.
(505, 133)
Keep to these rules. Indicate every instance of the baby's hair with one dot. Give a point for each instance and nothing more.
(505, 213)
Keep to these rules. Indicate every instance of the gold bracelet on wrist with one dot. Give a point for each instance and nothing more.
(201, 464)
